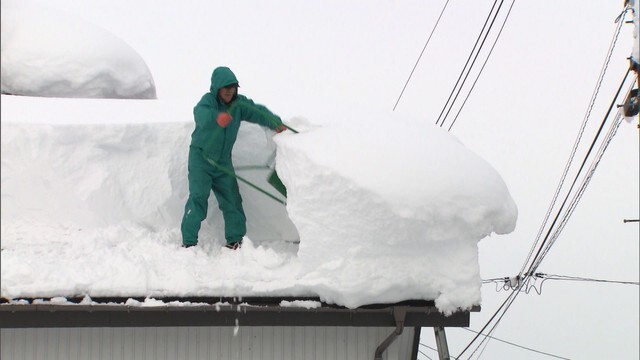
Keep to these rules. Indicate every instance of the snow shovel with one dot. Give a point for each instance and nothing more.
(274, 179)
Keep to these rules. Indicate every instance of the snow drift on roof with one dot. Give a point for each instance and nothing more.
(67, 57)
(382, 217)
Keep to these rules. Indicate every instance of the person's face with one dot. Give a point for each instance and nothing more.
(226, 93)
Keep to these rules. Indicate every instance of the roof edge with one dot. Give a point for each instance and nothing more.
(249, 312)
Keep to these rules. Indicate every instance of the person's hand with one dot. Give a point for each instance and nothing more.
(224, 119)
(281, 128)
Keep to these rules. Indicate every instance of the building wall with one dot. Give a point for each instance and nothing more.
(178, 343)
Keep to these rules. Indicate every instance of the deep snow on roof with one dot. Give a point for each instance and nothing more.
(95, 209)
(93, 193)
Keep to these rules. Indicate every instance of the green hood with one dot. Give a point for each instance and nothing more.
(215, 141)
(222, 76)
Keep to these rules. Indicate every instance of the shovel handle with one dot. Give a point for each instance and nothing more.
(290, 128)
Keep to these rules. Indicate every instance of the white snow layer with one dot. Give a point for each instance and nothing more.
(403, 209)
(92, 209)
(67, 57)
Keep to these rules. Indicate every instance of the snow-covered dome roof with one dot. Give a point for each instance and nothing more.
(68, 56)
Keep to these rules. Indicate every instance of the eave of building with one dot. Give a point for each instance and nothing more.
(113, 312)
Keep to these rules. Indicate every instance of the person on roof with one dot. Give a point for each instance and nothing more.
(217, 116)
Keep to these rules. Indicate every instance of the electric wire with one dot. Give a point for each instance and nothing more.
(528, 275)
(524, 279)
(483, 65)
(587, 115)
(532, 283)
(425, 355)
(612, 132)
(512, 294)
(486, 344)
(434, 349)
(516, 345)
(484, 39)
(516, 284)
(576, 278)
(537, 258)
(542, 251)
(420, 56)
(515, 292)
(468, 59)
(509, 302)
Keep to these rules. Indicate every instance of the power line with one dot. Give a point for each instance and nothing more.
(576, 278)
(586, 118)
(420, 56)
(523, 281)
(516, 345)
(543, 250)
(589, 175)
(517, 283)
(434, 349)
(469, 58)
(510, 300)
(483, 65)
(512, 294)
(421, 352)
(486, 35)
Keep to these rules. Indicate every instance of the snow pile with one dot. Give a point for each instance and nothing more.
(99, 174)
(409, 204)
(105, 175)
(67, 57)
(95, 209)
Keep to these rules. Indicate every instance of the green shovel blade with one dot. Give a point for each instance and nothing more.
(275, 181)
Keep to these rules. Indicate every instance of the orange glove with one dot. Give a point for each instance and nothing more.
(281, 128)
(224, 119)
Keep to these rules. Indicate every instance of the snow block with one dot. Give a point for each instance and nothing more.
(393, 215)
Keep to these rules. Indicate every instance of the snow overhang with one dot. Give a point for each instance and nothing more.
(224, 312)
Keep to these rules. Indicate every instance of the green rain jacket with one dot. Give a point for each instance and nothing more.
(215, 141)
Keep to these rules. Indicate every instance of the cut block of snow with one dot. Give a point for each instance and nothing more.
(46, 53)
(392, 210)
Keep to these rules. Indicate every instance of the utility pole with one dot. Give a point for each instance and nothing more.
(632, 102)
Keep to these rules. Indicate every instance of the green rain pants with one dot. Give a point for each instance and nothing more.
(204, 177)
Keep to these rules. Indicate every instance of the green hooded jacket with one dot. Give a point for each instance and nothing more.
(215, 141)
